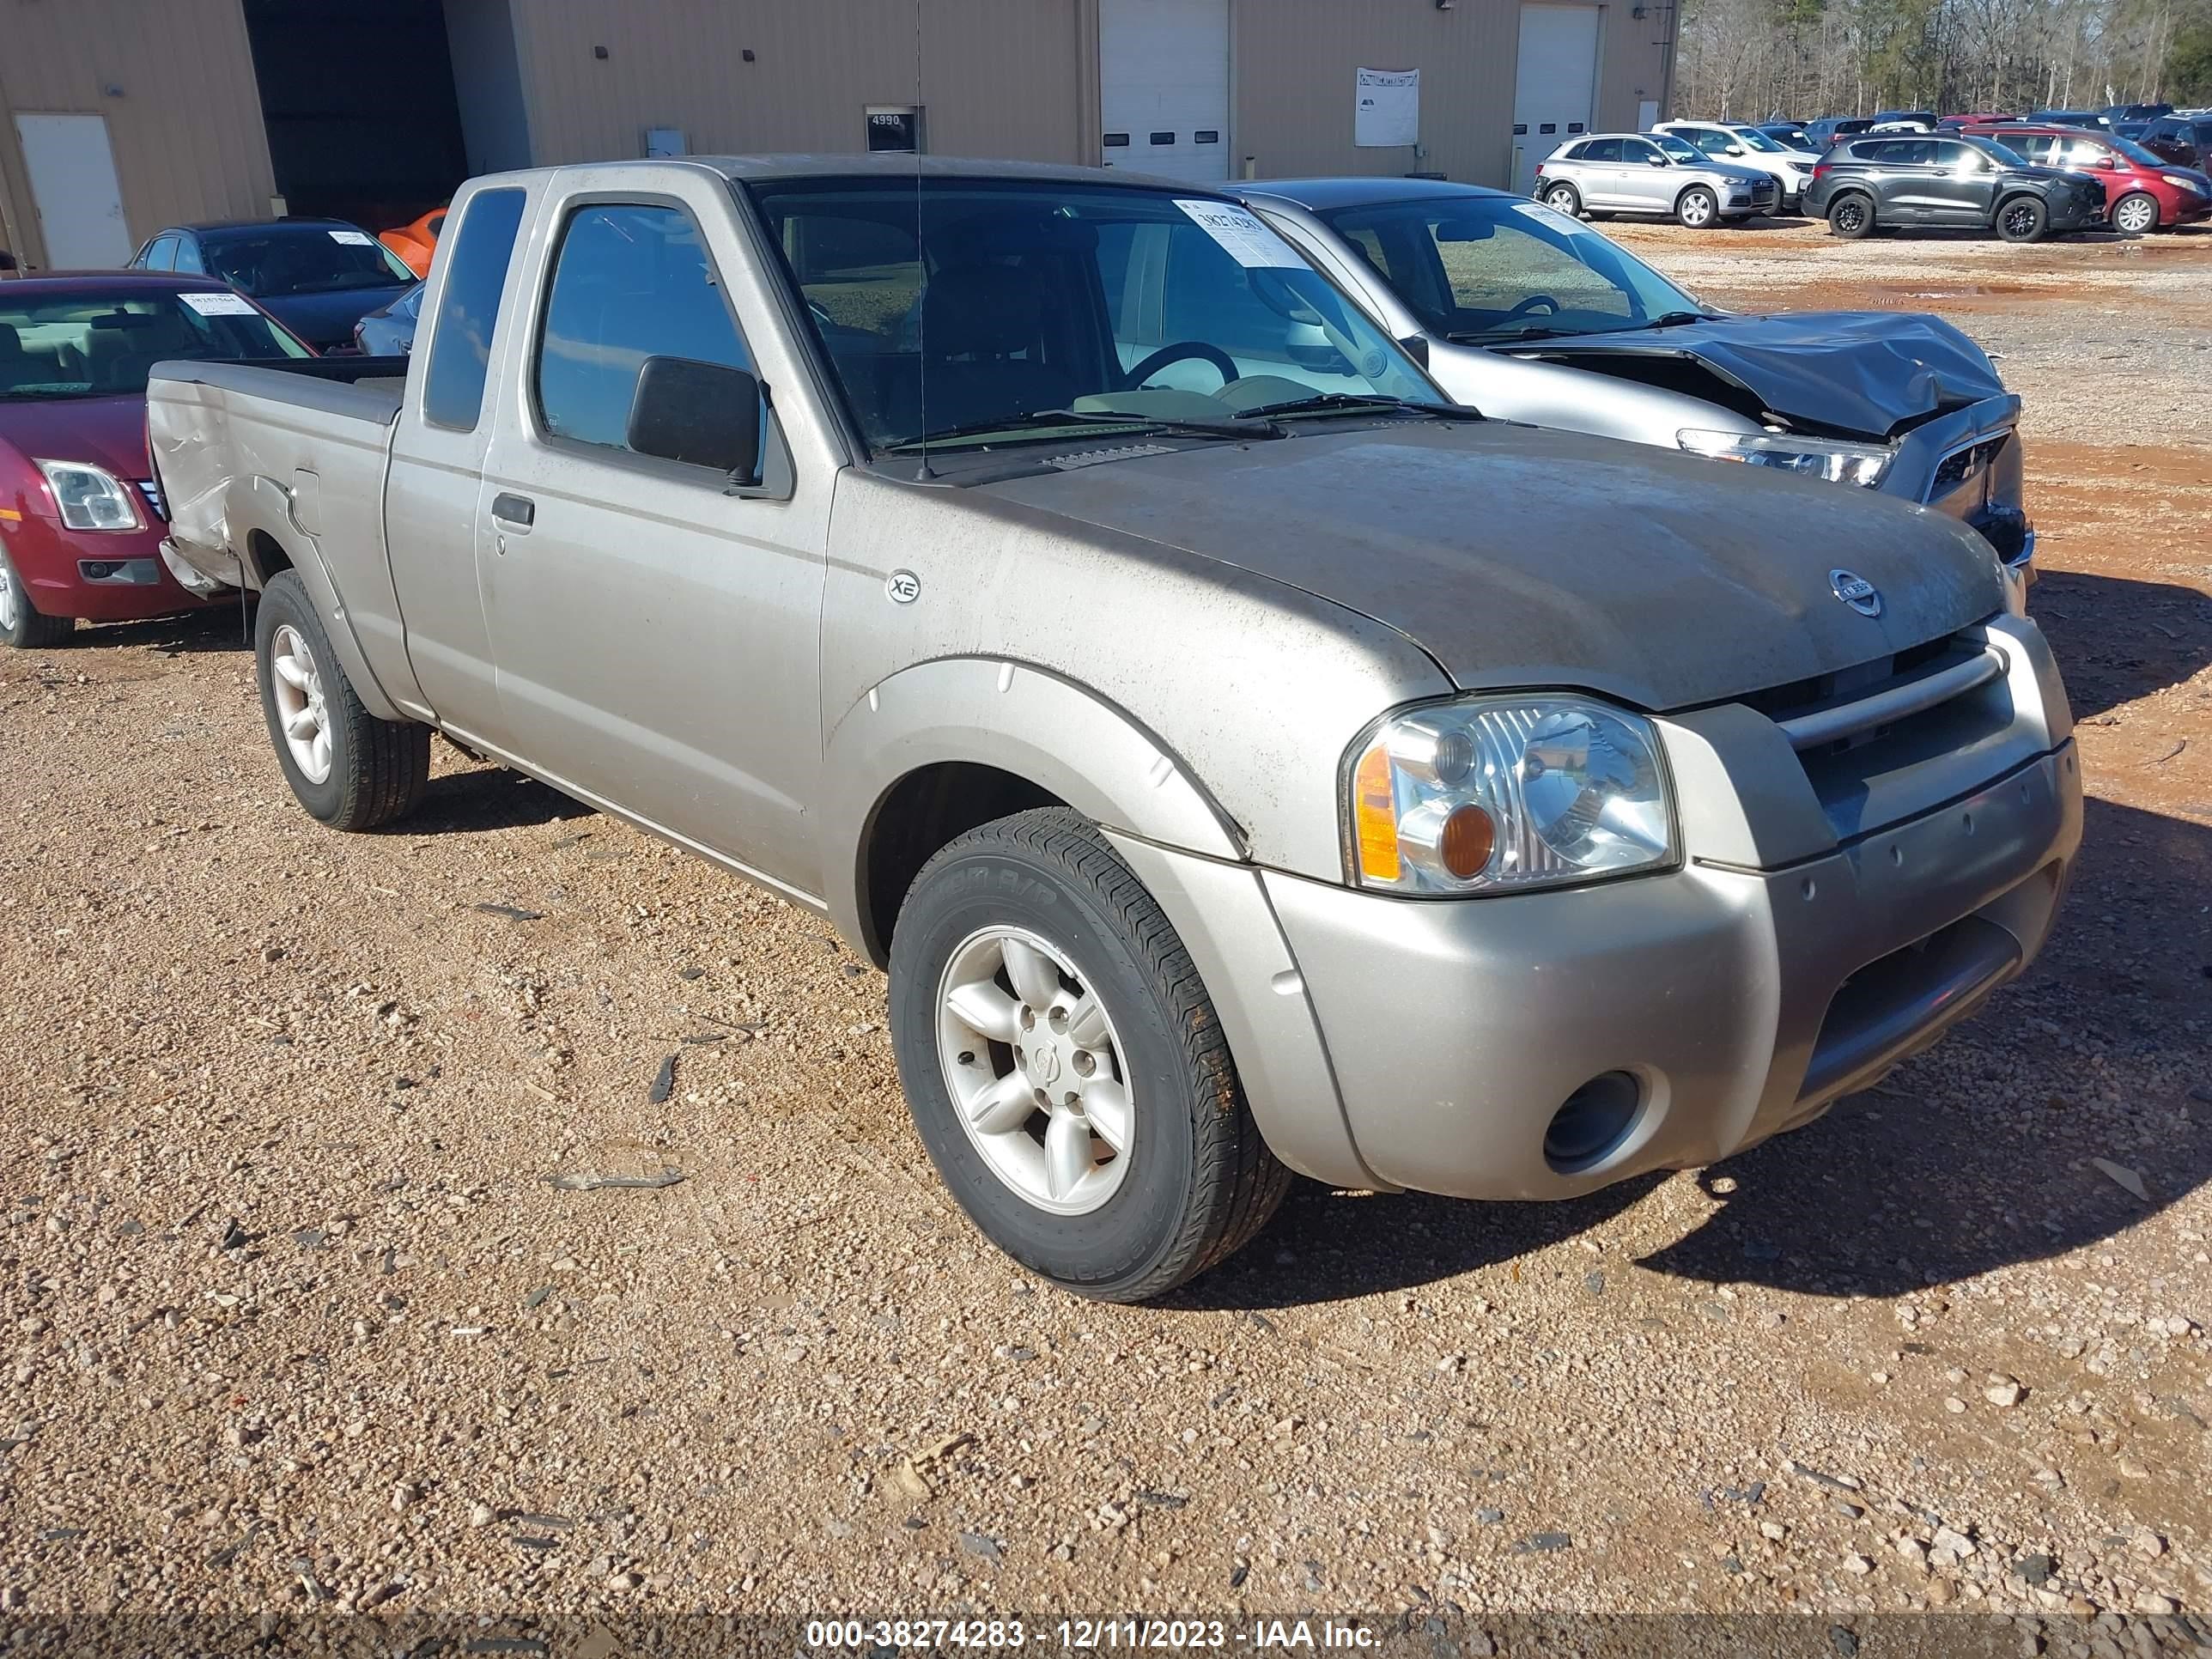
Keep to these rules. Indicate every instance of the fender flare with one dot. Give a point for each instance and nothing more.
(259, 503)
(1016, 718)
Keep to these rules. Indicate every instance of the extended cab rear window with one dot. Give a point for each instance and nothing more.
(468, 311)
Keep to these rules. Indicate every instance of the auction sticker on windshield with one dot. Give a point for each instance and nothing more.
(1553, 217)
(219, 305)
(1247, 241)
(353, 238)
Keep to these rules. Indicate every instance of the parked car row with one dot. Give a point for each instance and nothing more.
(1134, 653)
(2021, 179)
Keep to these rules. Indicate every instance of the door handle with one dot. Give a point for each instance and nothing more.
(515, 512)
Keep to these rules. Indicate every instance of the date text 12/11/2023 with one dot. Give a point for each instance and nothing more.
(1088, 1635)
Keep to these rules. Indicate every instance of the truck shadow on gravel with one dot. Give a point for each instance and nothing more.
(1973, 1156)
(2117, 639)
(487, 797)
(217, 629)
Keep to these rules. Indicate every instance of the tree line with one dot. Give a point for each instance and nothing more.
(1753, 59)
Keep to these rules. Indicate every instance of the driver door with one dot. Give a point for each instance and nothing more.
(1964, 191)
(1647, 183)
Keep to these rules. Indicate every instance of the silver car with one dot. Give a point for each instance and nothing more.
(1528, 314)
(1652, 174)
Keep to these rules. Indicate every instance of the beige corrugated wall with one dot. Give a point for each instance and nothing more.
(185, 118)
(1293, 63)
(996, 77)
(1020, 78)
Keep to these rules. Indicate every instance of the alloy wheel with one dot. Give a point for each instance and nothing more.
(1696, 211)
(2136, 216)
(1033, 1067)
(1561, 201)
(299, 706)
(11, 600)
(2018, 220)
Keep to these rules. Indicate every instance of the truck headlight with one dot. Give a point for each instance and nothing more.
(1490, 794)
(90, 497)
(1815, 458)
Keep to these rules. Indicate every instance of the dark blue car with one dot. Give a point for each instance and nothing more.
(316, 276)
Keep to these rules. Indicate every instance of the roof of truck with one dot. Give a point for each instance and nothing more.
(755, 169)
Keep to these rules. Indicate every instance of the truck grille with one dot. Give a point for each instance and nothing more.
(1870, 737)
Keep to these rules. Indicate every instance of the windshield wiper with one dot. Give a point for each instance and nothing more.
(1062, 419)
(1339, 403)
(1676, 318)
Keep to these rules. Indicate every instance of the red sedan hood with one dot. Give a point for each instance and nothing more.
(109, 432)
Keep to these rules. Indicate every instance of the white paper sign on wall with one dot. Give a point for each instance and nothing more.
(1388, 113)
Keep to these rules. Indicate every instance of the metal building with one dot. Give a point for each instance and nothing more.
(120, 116)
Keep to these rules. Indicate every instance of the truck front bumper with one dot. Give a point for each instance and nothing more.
(1710, 1007)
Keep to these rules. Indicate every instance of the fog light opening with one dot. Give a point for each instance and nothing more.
(1592, 1122)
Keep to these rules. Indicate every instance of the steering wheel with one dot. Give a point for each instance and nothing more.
(1174, 353)
(1528, 304)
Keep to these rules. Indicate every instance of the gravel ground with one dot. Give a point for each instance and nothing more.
(298, 1320)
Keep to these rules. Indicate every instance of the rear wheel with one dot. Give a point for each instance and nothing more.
(348, 768)
(21, 625)
(1065, 1065)
(2023, 219)
(2135, 214)
(1563, 198)
(1850, 216)
(1696, 207)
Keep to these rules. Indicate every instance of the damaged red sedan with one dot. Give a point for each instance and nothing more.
(81, 520)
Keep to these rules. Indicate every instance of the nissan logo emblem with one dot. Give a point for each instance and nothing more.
(1857, 592)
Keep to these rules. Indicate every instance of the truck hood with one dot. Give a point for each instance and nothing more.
(1516, 558)
(1863, 373)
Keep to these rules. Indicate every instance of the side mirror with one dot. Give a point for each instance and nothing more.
(1416, 346)
(703, 413)
(1732, 150)
(1655, 161)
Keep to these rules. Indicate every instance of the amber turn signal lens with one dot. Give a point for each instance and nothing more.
(1375, 813)
(1468, 837)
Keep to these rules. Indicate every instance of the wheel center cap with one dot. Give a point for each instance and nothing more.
(1044, 1064)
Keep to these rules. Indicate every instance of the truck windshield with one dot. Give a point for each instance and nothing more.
(94, 343)
(967, 311)
(1485, 268)
(276, 263)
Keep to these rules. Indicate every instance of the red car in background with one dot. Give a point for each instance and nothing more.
(2143, 192)
(81, 520)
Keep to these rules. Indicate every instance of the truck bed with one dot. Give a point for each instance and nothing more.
(272, 465)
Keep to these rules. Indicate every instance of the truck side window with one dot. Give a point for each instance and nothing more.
(468, 312)
(630, 282)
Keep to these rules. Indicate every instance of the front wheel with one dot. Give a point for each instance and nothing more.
(2135, 214)
(21, 625)
(1065, 1066)
(1697, 208)
(348, 768)
(2023, 219)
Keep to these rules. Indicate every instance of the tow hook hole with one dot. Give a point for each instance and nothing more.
(1809, 887)
(1969, 819)
(1896, 855)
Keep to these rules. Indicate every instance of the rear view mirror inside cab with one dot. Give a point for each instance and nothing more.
(702, 414)
(1465, 230)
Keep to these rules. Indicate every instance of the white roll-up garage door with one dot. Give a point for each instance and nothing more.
(1555, 85)
(1163, 87)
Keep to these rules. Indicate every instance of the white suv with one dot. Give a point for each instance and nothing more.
(1748, 147)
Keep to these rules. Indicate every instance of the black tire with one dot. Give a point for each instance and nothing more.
(1563, 197)
(1200, 1181)
(22, 625)
(1850, 216)
(2023, 219)
(2141, 207)
(378, 769)
(1697, 208)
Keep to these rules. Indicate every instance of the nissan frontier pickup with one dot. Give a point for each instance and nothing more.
(1242, 762)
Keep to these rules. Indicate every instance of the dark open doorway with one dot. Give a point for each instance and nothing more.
(358, 98)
